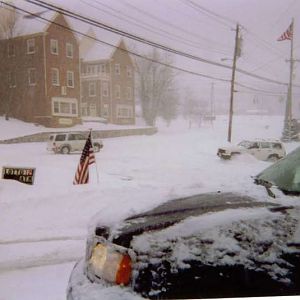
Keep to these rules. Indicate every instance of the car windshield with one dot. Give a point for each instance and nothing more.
(285, 174)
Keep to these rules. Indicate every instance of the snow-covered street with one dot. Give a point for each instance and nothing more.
(43, 227)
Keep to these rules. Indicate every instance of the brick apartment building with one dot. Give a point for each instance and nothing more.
(107, 82)
(40, 78)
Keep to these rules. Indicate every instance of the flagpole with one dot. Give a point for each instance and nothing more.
(95, 156)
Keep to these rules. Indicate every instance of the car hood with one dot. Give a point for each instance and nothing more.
(285, 173)
(177, 210)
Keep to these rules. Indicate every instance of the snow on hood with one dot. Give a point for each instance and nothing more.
(240, 236)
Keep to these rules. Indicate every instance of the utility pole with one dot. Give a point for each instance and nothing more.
(287, 131)
(237, 53)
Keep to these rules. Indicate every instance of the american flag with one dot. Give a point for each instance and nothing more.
(86, 159)
(287, 35)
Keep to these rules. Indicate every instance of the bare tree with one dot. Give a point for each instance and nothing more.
(155, 83)
(8, 21)
(191, 107)
(8, 30)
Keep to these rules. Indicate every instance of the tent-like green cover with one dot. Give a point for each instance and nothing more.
(285, 173)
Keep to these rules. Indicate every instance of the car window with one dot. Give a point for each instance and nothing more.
(253, 145)
(51, 137)
(60, 137)
(79, 137)
(245, 144)
(72, 137)
(265, 145)
(276, 145)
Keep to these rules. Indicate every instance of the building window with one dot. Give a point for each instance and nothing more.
(74, 108)
(84, 111)
(129, 71)
(105, 110)
(67, 107)
(93, 110)
(30, 46)
(90, 69)
(55, 76)
(124, 111)
(129, 93)
(102, 69)
(69, 50)
(11, 49)
(32, 76)
(92, 89)
(56, 107)
(118, 91)
(117, 69)
(105, 89)
(70, 79)
(54, 46)
(12, 79)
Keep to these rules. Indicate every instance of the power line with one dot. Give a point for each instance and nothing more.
(143, 40)
(91, 22)
(214, 15)
(45, 20)
(151, 28)
(124, 33)
(264, 65)
(168, 24)
(261, 42)
(209, 13)
(260, 90)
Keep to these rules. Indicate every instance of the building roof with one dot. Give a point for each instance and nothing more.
(100, 46)
(33, 19)
(29, 19)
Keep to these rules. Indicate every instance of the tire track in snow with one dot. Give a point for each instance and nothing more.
(34, 263)
(30, 253)
(49, 239)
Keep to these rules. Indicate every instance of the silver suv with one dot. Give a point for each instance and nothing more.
(270, 150)
(66, 142)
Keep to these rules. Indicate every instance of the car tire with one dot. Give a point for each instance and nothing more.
(273, 157)
(97, 147)
(65, 150)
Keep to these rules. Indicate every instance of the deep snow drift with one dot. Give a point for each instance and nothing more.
(44, 226)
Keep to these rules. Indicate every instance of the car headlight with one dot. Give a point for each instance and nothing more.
(111, 263)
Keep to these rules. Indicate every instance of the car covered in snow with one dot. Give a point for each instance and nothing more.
(66, 142)
(269, 150)
(210, 245)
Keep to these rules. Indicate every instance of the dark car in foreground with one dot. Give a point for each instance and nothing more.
(209, 245)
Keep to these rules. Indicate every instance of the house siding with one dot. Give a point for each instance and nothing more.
(24, 100)
(108, 104)
(33, 103)
(122, 58)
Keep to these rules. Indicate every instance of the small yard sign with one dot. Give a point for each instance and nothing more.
(24, 175)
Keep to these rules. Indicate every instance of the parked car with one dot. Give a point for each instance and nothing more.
(66, 142)
(270, 150)
(209, 245)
